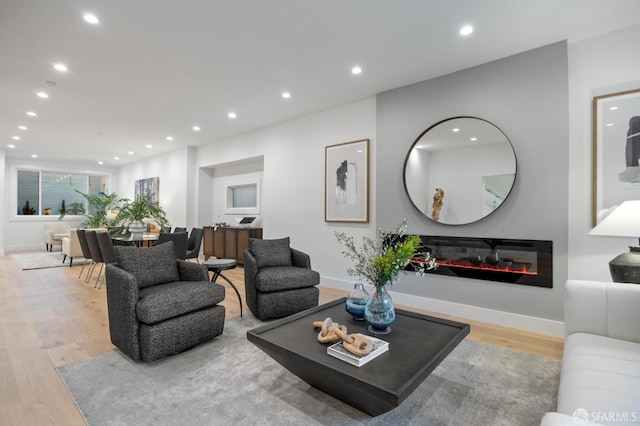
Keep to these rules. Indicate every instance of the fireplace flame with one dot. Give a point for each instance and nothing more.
(520, 270)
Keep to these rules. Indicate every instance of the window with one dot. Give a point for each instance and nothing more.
(49, 193)
(243, 195)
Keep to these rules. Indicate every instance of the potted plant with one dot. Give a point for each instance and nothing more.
(380, 262)
(96, 214)
(133, 213)
(28, 210)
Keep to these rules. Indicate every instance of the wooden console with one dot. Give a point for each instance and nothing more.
(228, 243)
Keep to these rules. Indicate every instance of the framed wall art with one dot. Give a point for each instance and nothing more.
(616, 150)
(151, 185)
(346, 183)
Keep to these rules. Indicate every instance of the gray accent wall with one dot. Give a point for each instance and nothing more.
(526, 96)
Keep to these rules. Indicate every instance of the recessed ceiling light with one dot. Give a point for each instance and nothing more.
(609, 124)
(356, 70)
(34, 155)
(116, 158)
(455, 130)
(232, 115)
(613, 108)
(42, 95)
(474, 139)
(286, 95)
(101, 162)
(466, 30)
(22, 127)
(11, 146)
(60, 67)
(149, 146)
(31, 114)
(169, 138)
(196, 128)
(15, 138)
(91, 18)
(131, 153)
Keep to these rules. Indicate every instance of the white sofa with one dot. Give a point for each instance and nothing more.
(53, 233)
(71, 247)
(600, 378)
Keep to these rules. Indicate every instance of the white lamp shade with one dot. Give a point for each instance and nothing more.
(624, 221)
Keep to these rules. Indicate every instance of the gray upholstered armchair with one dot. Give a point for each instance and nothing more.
(159, 305)
(278, 279)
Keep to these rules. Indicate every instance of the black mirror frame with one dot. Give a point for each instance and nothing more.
(406, 160)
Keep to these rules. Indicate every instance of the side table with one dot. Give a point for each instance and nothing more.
(217, 266)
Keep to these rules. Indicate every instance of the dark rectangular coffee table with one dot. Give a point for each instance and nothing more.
(417, 344)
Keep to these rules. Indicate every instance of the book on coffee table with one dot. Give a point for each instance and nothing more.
(338, 350)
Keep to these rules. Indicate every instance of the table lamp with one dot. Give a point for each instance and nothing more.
(624, 221)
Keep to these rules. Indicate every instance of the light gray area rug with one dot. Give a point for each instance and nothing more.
(40, 260)
(229, 381)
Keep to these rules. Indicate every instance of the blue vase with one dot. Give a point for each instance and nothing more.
(357, 301)
(379, 312)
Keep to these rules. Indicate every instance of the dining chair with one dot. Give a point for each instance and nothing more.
(86, 253)
(106, 249)
(194, 243)
(179, 242)
(178, 229)
(96, 255)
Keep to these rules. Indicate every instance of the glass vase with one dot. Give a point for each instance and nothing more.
(357, 301)
(379, 312)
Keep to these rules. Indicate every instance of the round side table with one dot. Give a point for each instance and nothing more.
(217, 266)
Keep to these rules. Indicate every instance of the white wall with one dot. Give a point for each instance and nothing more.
(597, 66)
(27, 232)
(293, 182)
(177, 187)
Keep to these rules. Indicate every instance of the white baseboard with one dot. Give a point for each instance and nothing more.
(28, 247)
(505, 319)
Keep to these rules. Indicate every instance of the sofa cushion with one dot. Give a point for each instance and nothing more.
(285, 278)
(271, 252)
(600, 375)
(164, 301)
(150, 265)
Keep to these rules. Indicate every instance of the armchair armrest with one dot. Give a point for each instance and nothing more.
(122, 297)
(250, 273)
(604, 308)
(189, 271)
(300, 259)
(250, 266)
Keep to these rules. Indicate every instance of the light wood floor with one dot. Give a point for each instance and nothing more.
(49, 318)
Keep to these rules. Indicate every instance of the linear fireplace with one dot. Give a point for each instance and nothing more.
(527, 262)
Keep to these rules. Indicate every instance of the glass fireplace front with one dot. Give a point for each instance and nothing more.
(526, 262)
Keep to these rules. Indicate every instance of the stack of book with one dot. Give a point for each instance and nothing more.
(338, 350)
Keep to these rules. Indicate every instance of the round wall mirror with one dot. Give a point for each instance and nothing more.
(459, 170)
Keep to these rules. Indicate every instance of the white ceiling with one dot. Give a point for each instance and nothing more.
(154, 68)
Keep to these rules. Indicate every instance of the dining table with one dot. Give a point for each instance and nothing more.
(145, 240)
